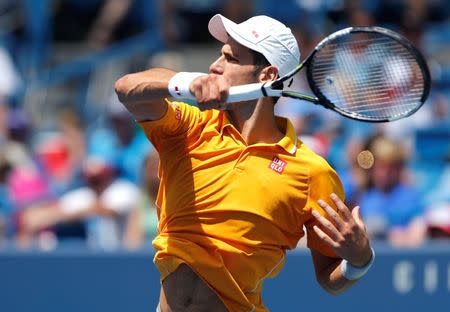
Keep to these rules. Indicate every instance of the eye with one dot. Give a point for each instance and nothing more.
(231, 59)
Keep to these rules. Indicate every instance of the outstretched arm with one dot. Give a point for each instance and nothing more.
(346, 235)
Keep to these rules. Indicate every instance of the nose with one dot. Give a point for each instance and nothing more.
(216, 67)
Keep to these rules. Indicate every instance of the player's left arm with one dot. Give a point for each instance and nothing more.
(344, 232)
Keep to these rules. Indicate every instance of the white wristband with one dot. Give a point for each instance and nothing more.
(179, 84)
(351, 272)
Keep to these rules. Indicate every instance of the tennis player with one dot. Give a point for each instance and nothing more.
(237, 186)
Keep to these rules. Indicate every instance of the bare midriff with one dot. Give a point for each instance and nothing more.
(183, 290)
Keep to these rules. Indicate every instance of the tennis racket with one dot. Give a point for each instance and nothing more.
(365, 73)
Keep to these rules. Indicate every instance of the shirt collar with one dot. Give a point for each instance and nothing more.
(288, 142)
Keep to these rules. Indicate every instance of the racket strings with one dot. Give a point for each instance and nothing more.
(401, 65)
(375, 77)
(375, 96)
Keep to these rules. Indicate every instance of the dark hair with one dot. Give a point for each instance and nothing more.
(260, 62)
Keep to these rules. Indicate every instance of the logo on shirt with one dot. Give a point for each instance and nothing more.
(278, 165)
(177, 112)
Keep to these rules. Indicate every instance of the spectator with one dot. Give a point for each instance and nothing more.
(27, 188)
(104, 204)
(60, 152)
(37, 179)
(392, 209)
(23, 185)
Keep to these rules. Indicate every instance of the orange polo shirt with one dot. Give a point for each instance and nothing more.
(230, 210)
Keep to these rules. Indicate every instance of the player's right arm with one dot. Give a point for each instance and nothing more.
(143, 93)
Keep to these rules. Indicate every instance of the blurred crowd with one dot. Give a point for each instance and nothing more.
(68, 181)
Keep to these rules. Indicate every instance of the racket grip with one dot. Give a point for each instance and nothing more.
(246, 92)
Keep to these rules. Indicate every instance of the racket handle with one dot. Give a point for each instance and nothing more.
(246, 92)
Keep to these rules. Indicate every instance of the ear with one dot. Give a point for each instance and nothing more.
(268, 73)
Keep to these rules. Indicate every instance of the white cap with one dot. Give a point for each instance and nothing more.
(263, 34)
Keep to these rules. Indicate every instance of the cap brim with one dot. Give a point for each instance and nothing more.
(217, 28)
(222, 28)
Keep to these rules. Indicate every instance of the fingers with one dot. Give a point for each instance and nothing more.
(342, 208)
(323, 236)
(327, 227)
(210, 91)
(334, 216)
(343, 230)
(356, 213)
(210, 98)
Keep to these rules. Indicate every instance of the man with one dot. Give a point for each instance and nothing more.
(103, 204)
(237, 186)
(403, 225)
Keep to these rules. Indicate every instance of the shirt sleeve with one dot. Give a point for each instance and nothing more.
(323, 182)
(178, 120)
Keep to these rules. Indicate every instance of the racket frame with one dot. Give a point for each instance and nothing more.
(325, 102)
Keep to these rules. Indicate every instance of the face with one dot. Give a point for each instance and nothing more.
(386, 175)
(235, 62)
(97, 174)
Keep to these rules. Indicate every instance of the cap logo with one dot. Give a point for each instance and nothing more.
(255, 33)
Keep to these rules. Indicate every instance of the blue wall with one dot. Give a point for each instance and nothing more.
(80, 280)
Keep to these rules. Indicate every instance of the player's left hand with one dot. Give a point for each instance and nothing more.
(344, 232)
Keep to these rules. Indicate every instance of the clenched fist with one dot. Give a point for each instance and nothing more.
(210, 91)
